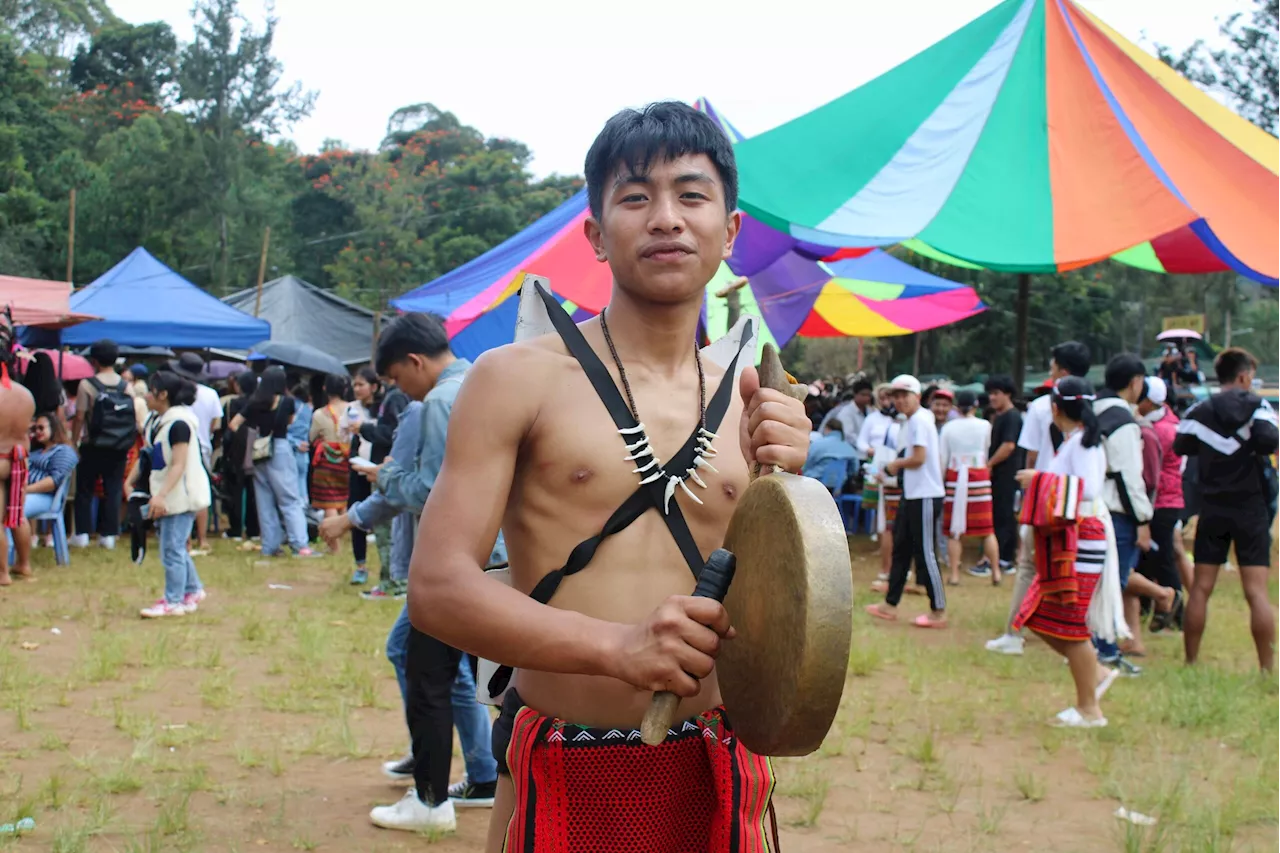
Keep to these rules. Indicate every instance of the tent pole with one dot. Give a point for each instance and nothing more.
(915, 359)
(1020, 335)
(262, 269)
(859, 353)
(71, 236)
(377, 330)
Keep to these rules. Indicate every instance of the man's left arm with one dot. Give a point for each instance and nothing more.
(408, 487)
(1263, 436)
(1134, 494)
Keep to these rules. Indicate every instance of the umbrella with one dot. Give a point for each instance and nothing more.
(302, 356)
(219, 369)
(1034, 139)
(69, 366)
(1177, 335)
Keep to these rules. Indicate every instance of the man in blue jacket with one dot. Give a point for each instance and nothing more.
(439, 686)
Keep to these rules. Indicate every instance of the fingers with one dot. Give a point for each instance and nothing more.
(748, 385)
(707, 612)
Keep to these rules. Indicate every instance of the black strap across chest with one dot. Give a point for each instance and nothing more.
(645, 497)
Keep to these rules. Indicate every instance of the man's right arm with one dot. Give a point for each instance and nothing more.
(83, 403)
(449, 596)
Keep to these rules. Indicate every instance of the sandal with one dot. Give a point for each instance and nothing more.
(874, 610)
(1073, 719)
(923, 621)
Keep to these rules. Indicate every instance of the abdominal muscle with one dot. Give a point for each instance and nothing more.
(631, 574)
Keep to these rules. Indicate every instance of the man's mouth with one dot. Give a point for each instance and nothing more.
(666, 252)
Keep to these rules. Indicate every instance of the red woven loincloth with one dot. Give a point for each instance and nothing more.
(977, 515)
(17, 487)
(892, 499)
(587, 790)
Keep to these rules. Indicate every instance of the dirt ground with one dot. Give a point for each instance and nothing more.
(260, 723)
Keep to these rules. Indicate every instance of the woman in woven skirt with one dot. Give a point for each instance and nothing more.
(1076, 590)
(966, 510)
(330, 447)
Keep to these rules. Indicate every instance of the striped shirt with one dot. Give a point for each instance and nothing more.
(57, 462)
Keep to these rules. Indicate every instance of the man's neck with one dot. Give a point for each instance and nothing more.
(107, 373)
(1000, 410)
(658, 336)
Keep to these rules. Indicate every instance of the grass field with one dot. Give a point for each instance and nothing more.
(260, 722)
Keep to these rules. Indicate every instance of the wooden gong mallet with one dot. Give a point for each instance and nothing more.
(784, 577)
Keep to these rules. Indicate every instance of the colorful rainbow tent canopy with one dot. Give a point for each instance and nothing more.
(882, 296)
(1034, 139)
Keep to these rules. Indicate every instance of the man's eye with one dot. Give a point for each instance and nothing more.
(694, 195)
(632, 199)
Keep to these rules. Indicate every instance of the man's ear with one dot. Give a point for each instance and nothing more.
(734, 227)
(595, 236)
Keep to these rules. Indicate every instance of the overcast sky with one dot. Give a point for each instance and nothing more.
(550, 73)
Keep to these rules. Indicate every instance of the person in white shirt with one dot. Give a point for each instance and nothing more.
(879, 438)
(1039, 438)
(851, 413)
(207, 410)
(966, 509)
(915, 529)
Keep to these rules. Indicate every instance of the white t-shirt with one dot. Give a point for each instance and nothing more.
(207, 409)
(1087, 463)
(921, 430)
(964, 443)
(1035, 431)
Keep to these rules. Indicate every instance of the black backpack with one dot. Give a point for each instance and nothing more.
(112, 422)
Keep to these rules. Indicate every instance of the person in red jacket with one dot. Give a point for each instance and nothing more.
(1161, 563)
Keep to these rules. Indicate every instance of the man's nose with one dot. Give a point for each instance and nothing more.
(665, 215)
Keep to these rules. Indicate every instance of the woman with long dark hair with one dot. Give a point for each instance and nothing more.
(1076, 590)
(363, 411)
(179, 489)
(241, 503)
(51, 463)
(330, 448)
(275, 479)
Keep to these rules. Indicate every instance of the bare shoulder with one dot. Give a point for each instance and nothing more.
(526, 365)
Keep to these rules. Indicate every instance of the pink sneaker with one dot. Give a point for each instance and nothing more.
(163, 608)
(306, 552)
(192, 600)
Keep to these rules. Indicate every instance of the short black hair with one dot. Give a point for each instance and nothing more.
(335, 386)
(1121, 369)
(247, 382)
(1073, 357)
(104, 352)
(300, 392)
(834, 425)
(966, 400)
(410, 334)
(861, 385)
(271, 384)
(1000, 382)
(665, 130)
(1233, 361)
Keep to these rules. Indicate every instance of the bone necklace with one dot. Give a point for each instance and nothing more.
(640, 451)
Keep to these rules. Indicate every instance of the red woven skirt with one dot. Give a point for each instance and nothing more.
(1046, 615)
(587, 790)
(330, 476)
(977, 521)
(17, 488)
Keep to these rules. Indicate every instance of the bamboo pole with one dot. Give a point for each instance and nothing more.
(262, 269)
(71, 236)
(1020, 332)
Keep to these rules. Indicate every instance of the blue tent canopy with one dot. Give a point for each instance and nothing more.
(144, 303)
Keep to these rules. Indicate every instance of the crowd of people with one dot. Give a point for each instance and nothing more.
(1082, 496)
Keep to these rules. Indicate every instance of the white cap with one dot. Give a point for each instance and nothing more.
(1157, 391)
(906, 382)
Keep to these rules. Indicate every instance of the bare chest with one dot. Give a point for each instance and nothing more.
(574, 470)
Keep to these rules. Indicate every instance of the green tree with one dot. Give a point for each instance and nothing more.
(230, 85)
(1244, 70)
(142, 58)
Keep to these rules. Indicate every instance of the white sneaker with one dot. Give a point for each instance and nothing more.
(78, 540)
(415, 816)
(1006, 644)
(161, 609)
(108, 542)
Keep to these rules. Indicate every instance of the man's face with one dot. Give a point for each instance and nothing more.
(940, 406)
(999, 400)
(665, 233)
(906, 402)
(863, 398)
(413, 375)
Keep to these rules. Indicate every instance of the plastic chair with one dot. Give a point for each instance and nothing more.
(61, 553)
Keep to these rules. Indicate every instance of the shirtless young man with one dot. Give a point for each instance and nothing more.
(17, 407)
(534, 450)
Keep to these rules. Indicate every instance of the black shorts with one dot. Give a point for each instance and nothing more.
(1247, 524)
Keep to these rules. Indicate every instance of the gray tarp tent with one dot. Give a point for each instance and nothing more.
(303, 313)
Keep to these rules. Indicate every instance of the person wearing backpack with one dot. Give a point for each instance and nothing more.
(105, 428)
